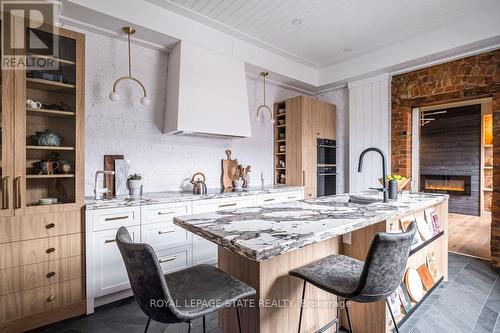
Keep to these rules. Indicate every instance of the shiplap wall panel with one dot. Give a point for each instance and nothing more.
(369, 126)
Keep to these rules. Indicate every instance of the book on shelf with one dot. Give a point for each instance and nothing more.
(417, 240)
(404, 297)
(395, 305)
(424, 229)
(426, 277)
(432, 219)
(430, 261)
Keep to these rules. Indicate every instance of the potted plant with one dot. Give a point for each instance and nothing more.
(134, 183)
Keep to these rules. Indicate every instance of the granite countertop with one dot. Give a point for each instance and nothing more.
(260, 233)
(173, 196)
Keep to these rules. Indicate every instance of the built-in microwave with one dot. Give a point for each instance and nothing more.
(326, 152)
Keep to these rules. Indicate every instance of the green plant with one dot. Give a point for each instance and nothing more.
(134, 176)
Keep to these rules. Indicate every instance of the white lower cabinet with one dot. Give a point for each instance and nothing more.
(110, 273)
(204, 251)
(175, 247)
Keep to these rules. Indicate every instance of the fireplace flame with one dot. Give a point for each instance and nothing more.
(445, 188)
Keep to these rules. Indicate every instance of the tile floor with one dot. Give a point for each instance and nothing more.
(468, 302)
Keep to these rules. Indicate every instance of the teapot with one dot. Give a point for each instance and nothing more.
(198, 181)
(47, 138)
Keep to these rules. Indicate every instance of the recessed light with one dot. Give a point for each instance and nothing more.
(296, 21)
(347, 50)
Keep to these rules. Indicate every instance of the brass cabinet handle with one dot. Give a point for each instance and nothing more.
(50, 274)
(161, 261)
(303, 178)
(162, 232)
(289, 198)
(227, 205)
(17, 192)
(109, 241)
(50, 226)
(166, 213)
(50, 250)
(266, 200)
(116, 218)
(51, 298)
(5, 192)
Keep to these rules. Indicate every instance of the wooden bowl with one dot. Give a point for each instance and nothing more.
(401, 183)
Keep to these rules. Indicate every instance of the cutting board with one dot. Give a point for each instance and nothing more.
(109, 165)
(229, 170)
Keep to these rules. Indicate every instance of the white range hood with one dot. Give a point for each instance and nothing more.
(206, 94)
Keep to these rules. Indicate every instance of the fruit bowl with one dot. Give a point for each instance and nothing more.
(402, 181)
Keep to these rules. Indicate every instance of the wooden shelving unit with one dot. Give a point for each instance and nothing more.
(279, 141)
(58, 226)
(486, 159)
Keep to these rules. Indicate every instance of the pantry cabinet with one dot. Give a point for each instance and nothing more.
(43, 241)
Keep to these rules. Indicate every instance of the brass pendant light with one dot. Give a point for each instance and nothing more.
(264, 106)
(114, 96)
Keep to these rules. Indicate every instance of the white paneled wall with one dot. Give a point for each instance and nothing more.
(369, 126)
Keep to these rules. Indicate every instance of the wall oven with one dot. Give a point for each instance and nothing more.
(326, 181)
(327, 151)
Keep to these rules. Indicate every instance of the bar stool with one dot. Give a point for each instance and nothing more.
(181, 296)
(364, 282)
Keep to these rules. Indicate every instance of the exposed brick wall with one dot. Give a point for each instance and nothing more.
(464, 79)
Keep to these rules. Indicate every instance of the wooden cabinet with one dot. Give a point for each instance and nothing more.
(41, 247)
(300, 121)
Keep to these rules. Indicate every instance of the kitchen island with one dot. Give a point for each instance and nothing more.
(260, 245)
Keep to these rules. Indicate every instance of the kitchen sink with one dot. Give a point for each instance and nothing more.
(363, 200)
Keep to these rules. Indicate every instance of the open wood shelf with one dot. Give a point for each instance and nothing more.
(280, 153)
(59, 60)
(281, 140)
(427, 242)
(415, 307)
(47, 85)
(280, 126)
(49, 148)
(55, 176)
(50, 113)
(487, 189)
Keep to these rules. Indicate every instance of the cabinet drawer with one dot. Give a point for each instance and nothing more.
(164, 212)
(22, 304)
(18, 228)
(204, 252)
(39, 250)
(164, 235)
(206, 206)
(105, 219)
(264, 199)
(110, 274)
(175, 259)
(38, 275)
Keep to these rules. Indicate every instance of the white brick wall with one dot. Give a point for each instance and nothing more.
(128, 128)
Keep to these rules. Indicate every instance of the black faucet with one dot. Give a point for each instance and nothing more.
(384, 180)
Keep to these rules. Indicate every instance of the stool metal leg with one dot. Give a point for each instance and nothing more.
(301, 305)
(147, 325)
(239, 320)
(189, 328)
(392, 315)
(204, 327)
(337, 326)
(348, 318)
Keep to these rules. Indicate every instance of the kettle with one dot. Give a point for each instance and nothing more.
(198, 181)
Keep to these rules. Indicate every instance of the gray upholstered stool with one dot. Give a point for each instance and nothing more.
(365, 282)
(181, 296)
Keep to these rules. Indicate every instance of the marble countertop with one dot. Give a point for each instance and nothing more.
(173, 196)
(260, 233)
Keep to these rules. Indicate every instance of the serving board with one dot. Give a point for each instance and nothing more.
(229, 170)
(109, 165)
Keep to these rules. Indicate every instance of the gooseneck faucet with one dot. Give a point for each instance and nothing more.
(384, 179)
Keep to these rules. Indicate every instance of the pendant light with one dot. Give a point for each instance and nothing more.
(264, 106)
(114, 96)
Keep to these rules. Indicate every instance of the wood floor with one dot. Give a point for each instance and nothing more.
(470, 235)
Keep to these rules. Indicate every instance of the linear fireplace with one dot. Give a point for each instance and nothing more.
(450, 184)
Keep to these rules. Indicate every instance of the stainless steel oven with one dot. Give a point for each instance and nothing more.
(326, 181)
(327, 152)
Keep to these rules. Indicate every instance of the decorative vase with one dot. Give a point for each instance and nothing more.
(238, 184)
(134, 187)
(47, 138)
